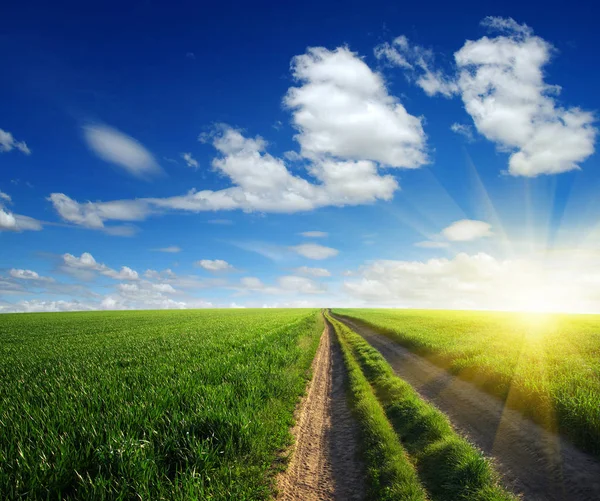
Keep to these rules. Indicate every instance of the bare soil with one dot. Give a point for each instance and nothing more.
(533, 462)
(325, 462)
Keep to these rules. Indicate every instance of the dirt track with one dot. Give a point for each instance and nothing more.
(534, 462)
(324, 463)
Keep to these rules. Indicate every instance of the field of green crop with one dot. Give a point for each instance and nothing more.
(546, 366)
(150, 404)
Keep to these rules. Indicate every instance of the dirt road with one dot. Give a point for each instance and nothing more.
(324, 463)
(534, 462)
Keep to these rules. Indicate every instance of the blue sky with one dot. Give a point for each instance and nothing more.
(193, 155)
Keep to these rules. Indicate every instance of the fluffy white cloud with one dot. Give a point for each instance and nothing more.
(85, 264)
(314, 234)
(348, 126)
(502, 86)
(418, 64)
(501, 83)
(5, 198)
(314, 251)
(214, 265)
(8, 142)
(566, 280)
(28, 275)
(173, 249)
(343, 109)
(119, 149)
(189, 160)
(314, 272)
(466, 230)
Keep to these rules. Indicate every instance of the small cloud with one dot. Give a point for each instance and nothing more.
(292, 156)
(464, 130)
(29, 275)
(4, 197)
(315, 251)
(173, 249)
(278, 125)
(190, 55)
(119, 149)
(170, 160)
(466, 230)
(314, 234)
(190, 160)
(214, 265)
(8, 143)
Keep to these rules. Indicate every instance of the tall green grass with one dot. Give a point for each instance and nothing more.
(149, 405)
(390, 474)
(449, 467)
(546, 366)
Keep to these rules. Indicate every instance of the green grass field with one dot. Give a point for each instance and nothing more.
(150, 404)
(546, 366)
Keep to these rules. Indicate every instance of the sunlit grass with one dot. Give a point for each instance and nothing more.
(545, 365)
(149, 405)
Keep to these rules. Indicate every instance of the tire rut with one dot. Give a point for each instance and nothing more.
(325, 461)
(534, 462)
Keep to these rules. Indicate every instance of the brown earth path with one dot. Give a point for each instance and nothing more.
(533, 462)
(324, 464)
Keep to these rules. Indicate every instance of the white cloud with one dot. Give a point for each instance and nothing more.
(315, 272)
(190, 160)
(314, 251)
(418, 64)
(463, 129)
(17, 222)
(314, 234)
(4, 197)
(501, 83)
(214, 265)
(502, 86)
(566, 280)
(348, 127)
(466, 230)
(93, 215)
(85, 264)
(8, 142)
(119, 149)
(343, 109)
(28, 275)
(173, 249)
(125, 273)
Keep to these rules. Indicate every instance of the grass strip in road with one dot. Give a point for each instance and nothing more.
(449, 467)
(390, 473)
(546, 366)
